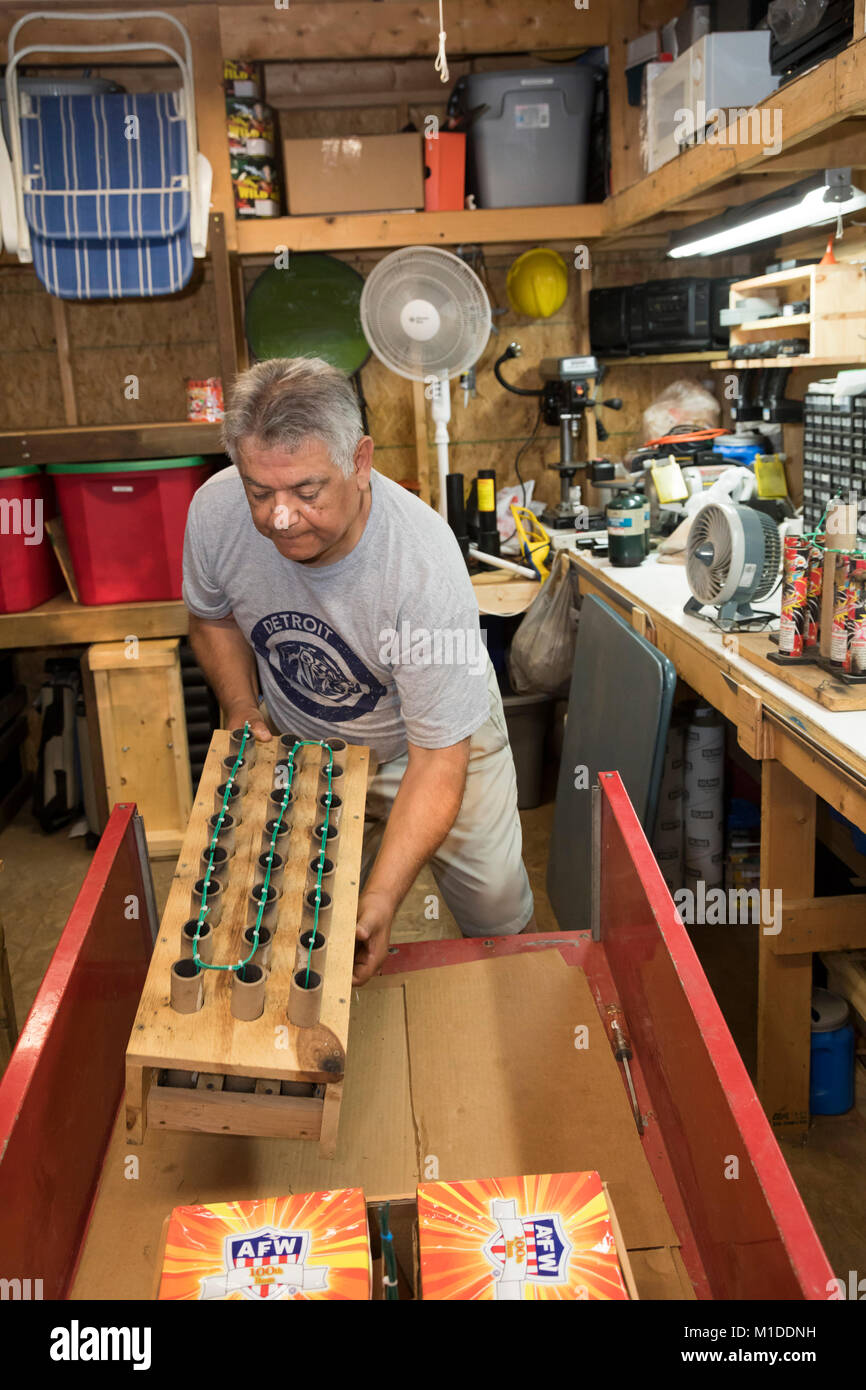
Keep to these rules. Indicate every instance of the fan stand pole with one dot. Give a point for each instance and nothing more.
(441, 415)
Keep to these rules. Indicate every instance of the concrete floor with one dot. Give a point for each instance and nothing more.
(828, 1168)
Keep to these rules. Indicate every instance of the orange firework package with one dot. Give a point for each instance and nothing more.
(514, 1238)
(310, 1246)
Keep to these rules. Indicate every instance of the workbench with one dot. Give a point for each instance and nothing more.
(805, 752)
(464, 1054)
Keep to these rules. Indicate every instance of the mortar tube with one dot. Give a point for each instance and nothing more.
(240, 775)
(235, 740)
(338, 748)
(187, 986)
(328, 871)
(336, 776)
(234, 802)
(220, 865)
(326, 903)
(305, 1004)
(271, 909)
(275, 805)
(334, 810)
(281, 844)
(319, 953)
(262, 954)
(278, 868)
(213, 902)
(330, 839)
(287, 743)
(205, 940)
(248, 992)
(226, 832)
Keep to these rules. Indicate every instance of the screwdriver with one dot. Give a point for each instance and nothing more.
(623, 1053)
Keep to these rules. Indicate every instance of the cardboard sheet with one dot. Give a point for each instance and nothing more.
(474, 1065)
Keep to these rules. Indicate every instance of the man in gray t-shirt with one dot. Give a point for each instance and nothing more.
(347, 601)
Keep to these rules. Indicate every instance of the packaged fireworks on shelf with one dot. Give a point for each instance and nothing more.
(242, 79)
(250, 127)
(307, 1247)
(510, 1239)
(257, 192)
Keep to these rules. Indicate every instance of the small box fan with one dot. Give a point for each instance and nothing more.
(733, 556)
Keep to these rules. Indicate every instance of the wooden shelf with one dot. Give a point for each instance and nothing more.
(356, 231)
(651, 359)
(728, 362)
(779, 321)
(106, 443)
(60, 621)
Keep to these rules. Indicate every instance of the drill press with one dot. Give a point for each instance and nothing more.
(563, 398)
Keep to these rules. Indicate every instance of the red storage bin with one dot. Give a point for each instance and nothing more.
(29, 573)
(124, 523)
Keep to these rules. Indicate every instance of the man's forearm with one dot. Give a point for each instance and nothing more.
(424, 810)
(226, 659)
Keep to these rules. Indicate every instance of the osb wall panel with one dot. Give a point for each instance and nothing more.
(158, 341)
(29, 376)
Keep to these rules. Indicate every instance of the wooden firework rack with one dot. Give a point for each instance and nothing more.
(209, 1071)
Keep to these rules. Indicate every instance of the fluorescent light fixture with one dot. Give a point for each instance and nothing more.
(810, 203)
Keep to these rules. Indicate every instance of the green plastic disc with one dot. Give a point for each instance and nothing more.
(311, 309)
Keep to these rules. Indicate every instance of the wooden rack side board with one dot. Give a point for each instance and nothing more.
(810, 680)
(269, 1048)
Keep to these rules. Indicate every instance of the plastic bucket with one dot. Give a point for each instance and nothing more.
(831, 1081)
(527, 718)
(125, 523)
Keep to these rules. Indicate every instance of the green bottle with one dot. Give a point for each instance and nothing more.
(625, 528)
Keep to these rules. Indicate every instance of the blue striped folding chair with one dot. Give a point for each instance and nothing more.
(111, 193)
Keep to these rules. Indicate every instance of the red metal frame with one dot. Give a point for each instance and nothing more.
(743, 1237)
(60, 1092)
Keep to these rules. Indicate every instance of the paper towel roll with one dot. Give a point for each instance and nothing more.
(704, 839)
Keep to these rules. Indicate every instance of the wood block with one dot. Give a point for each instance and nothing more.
(270, 1049)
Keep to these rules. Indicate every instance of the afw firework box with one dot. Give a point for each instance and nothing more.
(508, 1239)
(307, 1247)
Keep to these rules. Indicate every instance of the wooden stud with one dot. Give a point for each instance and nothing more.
(785, 981)
(223, 282)
(422, 453)
(61, 338)
(203, 23)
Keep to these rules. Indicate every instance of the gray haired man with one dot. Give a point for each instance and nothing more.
(346, 601)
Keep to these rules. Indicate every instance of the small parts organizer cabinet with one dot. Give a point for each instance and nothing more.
(208, 1069)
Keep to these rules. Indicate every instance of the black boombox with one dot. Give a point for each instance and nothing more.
(659, 316)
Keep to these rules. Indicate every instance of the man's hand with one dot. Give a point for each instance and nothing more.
(242, 714)
(372, 935)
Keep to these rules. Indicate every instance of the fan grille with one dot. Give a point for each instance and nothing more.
(772, 555)
(453, 289)
(710, 549)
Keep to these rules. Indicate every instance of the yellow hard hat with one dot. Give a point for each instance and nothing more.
(537, 283)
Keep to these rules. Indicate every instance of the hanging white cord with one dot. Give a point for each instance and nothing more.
(441, 64)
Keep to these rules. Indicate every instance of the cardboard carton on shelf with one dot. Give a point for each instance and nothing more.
(357, 173)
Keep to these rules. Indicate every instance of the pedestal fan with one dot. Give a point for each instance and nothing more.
(426, 315)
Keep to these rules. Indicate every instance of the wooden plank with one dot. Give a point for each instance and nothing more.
(660, 359)
(822, 924)
(224, 295)
(331, 1107)
(61, 337)
(142, 730)
(357, 231)
(234, 1112)
(811, 680)
(212, 1040)
(625, 153)
(846, 972)
(812, 102)
(203, 24)
(785, 981)
(60, 622)
(105, 443)
(363, 30)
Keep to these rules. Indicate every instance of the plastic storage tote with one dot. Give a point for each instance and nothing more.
(124, 523)
(29, 573)
(530, 148)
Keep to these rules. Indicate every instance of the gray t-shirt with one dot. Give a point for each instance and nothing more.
(381, 647)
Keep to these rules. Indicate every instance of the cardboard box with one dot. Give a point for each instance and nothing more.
(308, 1247)
(510, 1239)
(357, 173)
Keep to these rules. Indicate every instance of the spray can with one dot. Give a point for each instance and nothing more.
(625, 528)
(840, 634)
(795, 606)
(815, 585)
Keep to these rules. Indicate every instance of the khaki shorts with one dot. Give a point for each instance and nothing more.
(478, 868)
